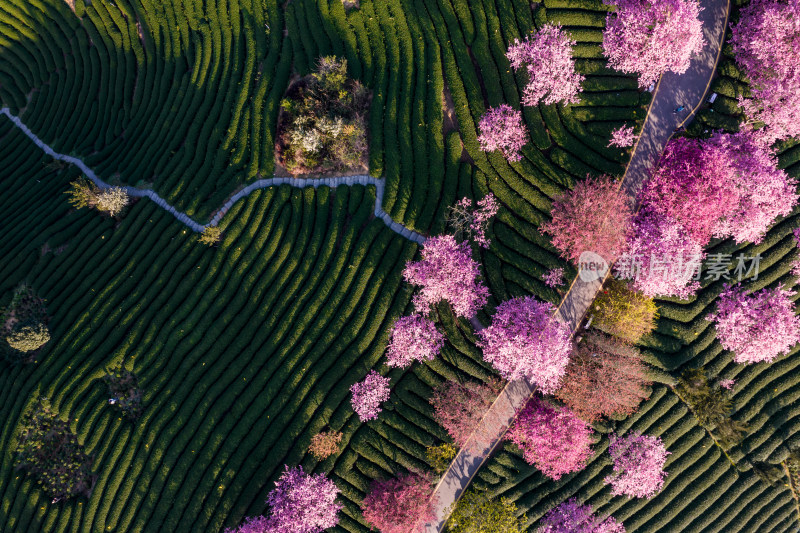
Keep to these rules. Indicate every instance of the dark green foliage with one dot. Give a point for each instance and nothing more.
(712, 406)
(50, 451)
(709, 403)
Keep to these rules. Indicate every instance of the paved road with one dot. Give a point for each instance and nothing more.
(260, 184)
(673, 90)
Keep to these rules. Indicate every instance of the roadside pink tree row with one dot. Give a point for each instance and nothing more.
(728, 185)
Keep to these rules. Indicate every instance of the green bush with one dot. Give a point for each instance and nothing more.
(622, 312)
(477, 513)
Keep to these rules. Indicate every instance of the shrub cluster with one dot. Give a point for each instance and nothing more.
(48, 449)
(322, 126)
(23, 323)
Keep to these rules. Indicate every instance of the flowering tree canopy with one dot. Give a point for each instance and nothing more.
(661, 258)
(396, 505)
(593, 217)
(689, 187)
(604, 378)
(573, 517)
(459, 407)
(447, 272)
(525, 341)
(502, 129)
(551, 438)
(554, 277)
(302, 503)
(623, 313)
(756, 327)
(547, 56)
(325, 444)
(638, 465)
(368, 395)
(413, 338)
(622, 137)
(251, 524)
(764, 191)
(727, 185)
(649, 38)
(470, 223)
(765, 44)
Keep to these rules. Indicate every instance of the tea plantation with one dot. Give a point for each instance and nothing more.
(245, 350)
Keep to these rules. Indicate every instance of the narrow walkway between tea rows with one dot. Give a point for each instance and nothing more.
(260, 184)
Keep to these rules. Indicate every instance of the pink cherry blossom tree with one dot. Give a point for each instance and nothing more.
(756, 327)
(622, 137)
(661, 258)
(251, 524)
(551, 438)
(413, 338)
(726, 186)
(547, 56)
(554, 277)
(691, 187)
(573, 517)
(501, 128)
(649, 38)
(638, 465)
(764, 191)
(368, 395)
(468, 222)
(400, 505)
(765, 44)
(447, 272)
(459, 407)
(727, 384)
(593, 217)
(525, 341)
(302, 503)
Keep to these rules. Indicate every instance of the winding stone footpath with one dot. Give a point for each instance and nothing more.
(673, 90)
(260, 184)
